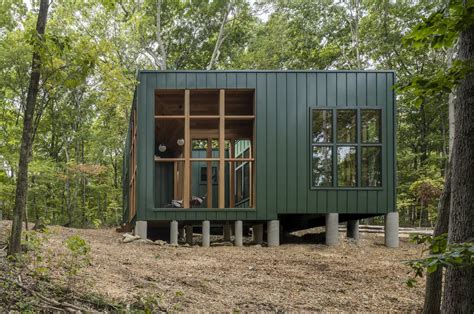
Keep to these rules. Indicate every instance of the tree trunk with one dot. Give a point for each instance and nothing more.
(459, 282)
(26, 139)
(434, 282)
(159, 39)
(67, 188)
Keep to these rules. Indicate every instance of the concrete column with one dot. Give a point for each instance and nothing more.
(189, 235)
(174, 232)
(353, 229)
(391, 230)
(332, 232)
(227, 232)
(257, 231)
(273, 233)
(141, 229)
(181, 233)
(238, 233)
(206, 233)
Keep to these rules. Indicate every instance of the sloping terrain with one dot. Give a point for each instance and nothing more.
(363, 276)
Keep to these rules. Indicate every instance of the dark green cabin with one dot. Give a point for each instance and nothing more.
(310, 143)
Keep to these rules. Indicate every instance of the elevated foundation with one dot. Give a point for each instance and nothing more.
(206, 233)
(391, 230)
(174, 232)
(141, 228)
(332, 229)
(273, 233)
(238, 233)
(353, 229)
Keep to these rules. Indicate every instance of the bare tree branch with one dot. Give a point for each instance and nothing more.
(220, 38)
(159, 40)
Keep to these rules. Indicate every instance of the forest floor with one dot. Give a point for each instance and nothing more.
(364, 276)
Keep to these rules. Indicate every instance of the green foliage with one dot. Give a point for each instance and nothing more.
(79, 255)
(437, 84)
(441, 29)
(441, 254)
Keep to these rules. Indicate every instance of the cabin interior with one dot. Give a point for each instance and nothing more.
(204, 148)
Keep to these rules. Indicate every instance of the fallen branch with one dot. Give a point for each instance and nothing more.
(100, 303)
(54, 304)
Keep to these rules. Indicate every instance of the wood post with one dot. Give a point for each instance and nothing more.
(232, 175)
(187, 151)
(222, 148)
(176, 179)
(209, 173)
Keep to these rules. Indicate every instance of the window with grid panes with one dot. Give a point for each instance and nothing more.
(346, 148)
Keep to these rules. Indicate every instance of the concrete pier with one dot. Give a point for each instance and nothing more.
(332, 232)
(206, 233)
(353, 229)
(227, 232)
(174, 232)
(141, 228)
(181, 233)
(391, 230)
(189, 235)
(257, 231)
(273, 232)
(238, 241)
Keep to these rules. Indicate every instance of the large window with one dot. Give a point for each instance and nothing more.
(346, 148)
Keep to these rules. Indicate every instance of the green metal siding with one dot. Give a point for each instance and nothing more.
(283, 100)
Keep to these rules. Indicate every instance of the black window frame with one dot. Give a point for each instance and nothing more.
(358, 144)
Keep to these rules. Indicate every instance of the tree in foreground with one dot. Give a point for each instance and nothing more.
(459, 284)
(27, 134)
(441, 30)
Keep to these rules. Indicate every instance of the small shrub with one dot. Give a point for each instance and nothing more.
(79, 255)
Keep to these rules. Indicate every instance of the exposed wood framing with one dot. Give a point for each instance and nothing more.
(227, 117)
(158, 159)
(180, 180)
(199, 120)
(221, 148)
(232, 174)
(175, 180)
(163, 117)
(187, 151)
(209, 173)
(233, 117)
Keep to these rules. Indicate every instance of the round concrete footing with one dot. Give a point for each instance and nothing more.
(206, 233)
(273, 233)
(391, 230)
(174, 232)
(238, 241)
(332, 229)
(353, 229)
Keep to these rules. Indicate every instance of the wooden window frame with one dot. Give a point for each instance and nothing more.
(187, 159)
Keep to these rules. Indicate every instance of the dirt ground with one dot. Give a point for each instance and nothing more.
(363, 276)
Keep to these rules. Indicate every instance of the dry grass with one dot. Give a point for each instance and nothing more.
(294, 277)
